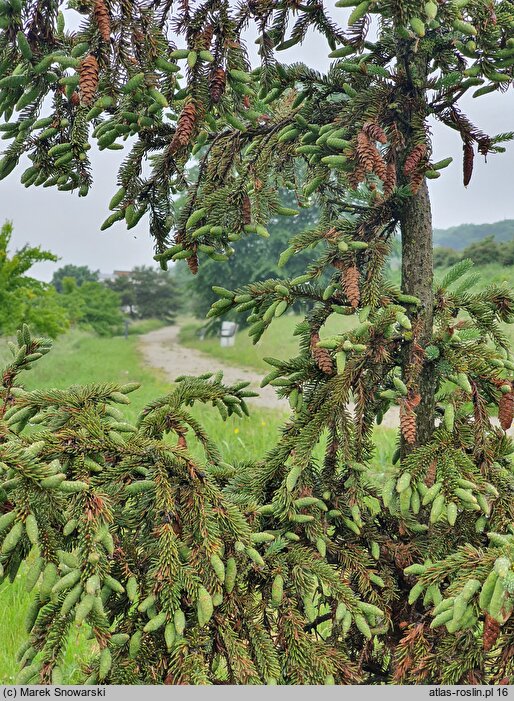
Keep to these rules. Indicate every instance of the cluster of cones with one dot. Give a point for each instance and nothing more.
(367, 156)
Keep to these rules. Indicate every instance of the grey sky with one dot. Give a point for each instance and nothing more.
(70, 227)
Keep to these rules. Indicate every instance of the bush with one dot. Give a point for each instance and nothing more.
(124, 529)
(445, 257)
(92, 305)
(484, 252)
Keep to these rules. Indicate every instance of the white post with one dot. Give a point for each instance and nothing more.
(228, 333)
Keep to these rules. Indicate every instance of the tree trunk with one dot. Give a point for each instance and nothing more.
(417, 279)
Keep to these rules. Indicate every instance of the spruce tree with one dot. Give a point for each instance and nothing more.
(347, 580)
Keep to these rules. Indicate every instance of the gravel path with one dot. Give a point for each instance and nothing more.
(161, 349)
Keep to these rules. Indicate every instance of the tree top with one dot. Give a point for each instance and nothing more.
(119, 82)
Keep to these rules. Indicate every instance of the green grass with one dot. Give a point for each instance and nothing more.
(489, 274)
(140, 326)
(277, 342)
(82, 358)
(14, 604)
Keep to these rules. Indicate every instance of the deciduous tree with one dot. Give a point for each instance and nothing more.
(24, 299)
(80, 273)
(149, 293)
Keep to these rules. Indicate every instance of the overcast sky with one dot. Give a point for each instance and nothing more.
(70, 226)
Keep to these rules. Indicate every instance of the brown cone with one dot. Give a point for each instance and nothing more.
(506, 410)
(407, 424)
(246, 210)
(357, 175)
(467, 163)
(380, 166)
(390, 180)
(205, 38)
(217, 85)
(192, 263)
(375, 132)
(321, 356)
(413, 159)
(431, 473)
(350, 282)
(185, 126)
(88, 79)
(103, 20)
(366, 152)
(416, 182)
(414, 399)
(491, 632)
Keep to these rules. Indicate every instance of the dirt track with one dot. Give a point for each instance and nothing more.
(162, 350)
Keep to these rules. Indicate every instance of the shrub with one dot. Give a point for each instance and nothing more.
(92, 305)
(124, 529)
(80, 273)
(446, 257)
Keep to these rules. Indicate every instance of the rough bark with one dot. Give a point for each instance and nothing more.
(417, 279)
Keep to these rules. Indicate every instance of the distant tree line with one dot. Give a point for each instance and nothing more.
(77, 297)
(141, 293)
(463, 235)
(483, 252)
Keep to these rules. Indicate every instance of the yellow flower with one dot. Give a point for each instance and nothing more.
(236, 430)
(263, 423)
